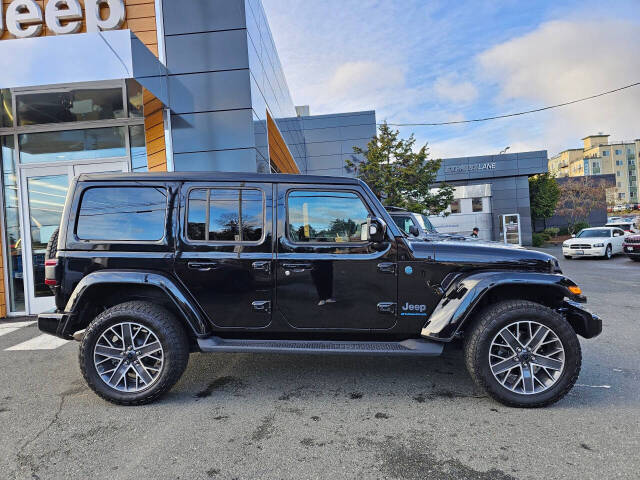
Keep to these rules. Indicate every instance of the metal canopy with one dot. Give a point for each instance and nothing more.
(85, 57)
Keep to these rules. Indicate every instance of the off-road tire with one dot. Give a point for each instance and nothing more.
(52, 245)
(170, 333)
(493, 319)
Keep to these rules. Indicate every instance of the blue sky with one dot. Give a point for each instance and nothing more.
(431, 61)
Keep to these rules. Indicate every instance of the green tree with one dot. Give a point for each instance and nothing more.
(544, 193)
(401, 176)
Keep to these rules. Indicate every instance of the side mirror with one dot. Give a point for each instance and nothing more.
(375, 230)
(573, 235)
(413, 230)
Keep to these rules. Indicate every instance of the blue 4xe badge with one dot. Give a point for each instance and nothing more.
(410, 309)
(408, 270)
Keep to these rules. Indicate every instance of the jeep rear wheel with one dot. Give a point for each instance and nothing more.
(523, 354)
(133, 353)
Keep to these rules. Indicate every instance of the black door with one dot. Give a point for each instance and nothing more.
(225, 251)
(327, 276)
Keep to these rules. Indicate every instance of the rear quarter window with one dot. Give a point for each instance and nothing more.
(122, 214)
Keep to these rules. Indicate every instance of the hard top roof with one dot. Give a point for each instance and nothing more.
(216, 177)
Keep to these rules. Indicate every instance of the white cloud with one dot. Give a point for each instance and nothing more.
(565, 60)
(362, 84)
(447, 88)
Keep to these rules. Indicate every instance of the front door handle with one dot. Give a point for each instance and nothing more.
(202, 266)
(297, 267)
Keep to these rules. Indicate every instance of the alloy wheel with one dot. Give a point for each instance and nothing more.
(526, 357)
(128, 357)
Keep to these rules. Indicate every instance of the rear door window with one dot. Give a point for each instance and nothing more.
(122, 214)
(226, 215)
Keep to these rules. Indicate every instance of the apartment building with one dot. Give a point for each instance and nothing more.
(599, 156)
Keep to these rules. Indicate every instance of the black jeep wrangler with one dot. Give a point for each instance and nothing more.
(147, 268)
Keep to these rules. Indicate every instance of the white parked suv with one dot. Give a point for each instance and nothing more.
(595, 242)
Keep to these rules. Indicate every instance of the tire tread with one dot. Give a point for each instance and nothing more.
(484, 321)
(173, 330)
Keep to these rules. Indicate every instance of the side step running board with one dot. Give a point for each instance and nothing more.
(325, 347)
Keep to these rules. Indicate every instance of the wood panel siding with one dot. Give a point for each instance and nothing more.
(279, 153)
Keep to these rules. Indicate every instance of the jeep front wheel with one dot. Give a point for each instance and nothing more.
(133, 352)
(523, 354)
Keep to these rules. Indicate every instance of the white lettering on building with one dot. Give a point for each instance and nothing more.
(24, 18)
(471, 168)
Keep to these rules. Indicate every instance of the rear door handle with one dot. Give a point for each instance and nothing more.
(202, 266)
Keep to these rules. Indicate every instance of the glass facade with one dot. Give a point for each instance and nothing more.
(70, 105)
(6, 113)
(47, 136)
(12, 236)
(70, 145)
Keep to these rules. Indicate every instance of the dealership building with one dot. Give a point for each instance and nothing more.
(179, 85)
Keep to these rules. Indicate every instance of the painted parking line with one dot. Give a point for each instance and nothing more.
(41, 342)
(10, 327)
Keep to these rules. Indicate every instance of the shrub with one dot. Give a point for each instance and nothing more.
(563, 231)
(553, 231)
(538, 240)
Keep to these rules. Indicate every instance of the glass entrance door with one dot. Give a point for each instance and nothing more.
(510, 229)
(44, 190)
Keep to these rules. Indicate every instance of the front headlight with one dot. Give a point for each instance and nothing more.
(598, 245)
(565, 244)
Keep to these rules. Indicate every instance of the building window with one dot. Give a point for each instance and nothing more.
(122, 214)
(69, 145)
(12, 235)
(618, 152)
(6, 116)
(618, 173)
(325, 217)
(70, 105)
(619, 184)
(476, 204)
(138, 149)
(455, 206)
(226, 215)
(605, 153)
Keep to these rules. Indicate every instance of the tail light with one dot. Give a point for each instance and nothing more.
(50, 272)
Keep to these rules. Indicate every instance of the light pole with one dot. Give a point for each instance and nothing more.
(504, 151)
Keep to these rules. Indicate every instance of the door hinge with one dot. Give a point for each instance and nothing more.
(261, 306)
(387, 267)
(387, 307)
(265, 266)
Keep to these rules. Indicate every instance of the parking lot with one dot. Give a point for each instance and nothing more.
(274, 416)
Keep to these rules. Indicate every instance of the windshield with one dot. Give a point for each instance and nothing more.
(594, 233)
(425, 224)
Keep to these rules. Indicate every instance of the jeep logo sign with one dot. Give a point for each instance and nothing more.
(407, 307)
(24, 18)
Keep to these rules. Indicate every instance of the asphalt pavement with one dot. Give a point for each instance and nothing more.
(241, 416)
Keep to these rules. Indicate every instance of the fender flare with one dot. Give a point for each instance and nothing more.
(463, 294)
(193, 317)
